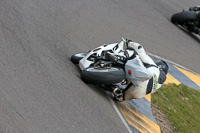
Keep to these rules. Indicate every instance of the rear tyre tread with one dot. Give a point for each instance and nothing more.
(109, 77)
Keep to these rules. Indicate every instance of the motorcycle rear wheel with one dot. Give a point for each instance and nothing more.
(110, 75)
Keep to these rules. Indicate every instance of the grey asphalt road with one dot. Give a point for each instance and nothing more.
(41, 90)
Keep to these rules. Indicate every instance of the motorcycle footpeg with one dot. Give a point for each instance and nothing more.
(117, 92)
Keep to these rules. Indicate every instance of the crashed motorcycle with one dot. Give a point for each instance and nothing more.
(112, 66)
(189, 20)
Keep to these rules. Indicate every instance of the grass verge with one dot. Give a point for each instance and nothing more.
(182, 106)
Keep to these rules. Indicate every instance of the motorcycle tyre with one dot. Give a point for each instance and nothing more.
(102, 76)
(77, 57)
(183, 17)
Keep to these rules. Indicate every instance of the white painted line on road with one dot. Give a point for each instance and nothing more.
(171, 62)
(119, 113)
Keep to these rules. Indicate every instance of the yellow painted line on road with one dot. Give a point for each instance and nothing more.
(137, 119)
(171, 79)
(148, 97)
(195, 78)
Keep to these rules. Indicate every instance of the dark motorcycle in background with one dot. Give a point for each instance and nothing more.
(189, 20)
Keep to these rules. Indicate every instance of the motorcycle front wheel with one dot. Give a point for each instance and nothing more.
(77, 57)
(109, 75)
(184, 17)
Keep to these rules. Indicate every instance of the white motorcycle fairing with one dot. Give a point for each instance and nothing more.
(136, 72)
(115, 49)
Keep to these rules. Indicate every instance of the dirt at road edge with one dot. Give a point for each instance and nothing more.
(165, 124)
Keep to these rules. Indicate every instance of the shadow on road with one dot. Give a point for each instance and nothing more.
(93, 87)
(196, 37)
